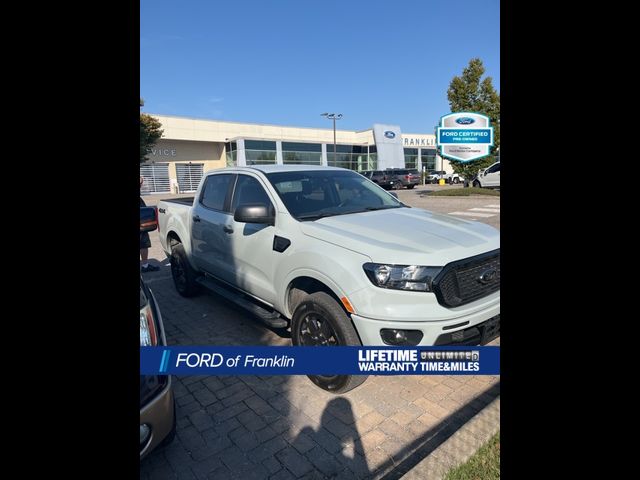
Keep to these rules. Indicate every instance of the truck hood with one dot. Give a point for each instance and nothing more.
(410, 236)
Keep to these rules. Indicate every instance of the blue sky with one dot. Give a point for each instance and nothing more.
(285, 62)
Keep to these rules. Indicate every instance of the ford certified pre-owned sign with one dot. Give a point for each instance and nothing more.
(465, 121)
(389, 134)
(464, 136)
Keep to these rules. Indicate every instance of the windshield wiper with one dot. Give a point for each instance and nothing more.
(385, 207)
(316, 216)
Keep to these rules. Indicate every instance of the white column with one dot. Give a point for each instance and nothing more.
(242, 159)
(279, 160)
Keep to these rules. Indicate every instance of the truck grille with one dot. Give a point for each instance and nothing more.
(467, 280)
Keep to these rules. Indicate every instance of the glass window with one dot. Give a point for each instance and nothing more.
(428, 157)
(260, 157)
(339, 148)
(260, 152)
(248, 190)
(305, 158)
(411, 157)
(259, 145)
(215, 191)
(310, 195)
(232, 159)
(301, 147)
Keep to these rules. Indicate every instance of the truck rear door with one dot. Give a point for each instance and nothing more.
(210, 216)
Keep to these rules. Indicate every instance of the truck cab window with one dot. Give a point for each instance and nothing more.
(248, 190)
(215, 190)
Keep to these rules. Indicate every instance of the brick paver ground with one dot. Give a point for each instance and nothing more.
(284, 427)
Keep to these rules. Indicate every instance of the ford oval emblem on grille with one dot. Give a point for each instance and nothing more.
(465, 121)
(389, 134)
(488, 275)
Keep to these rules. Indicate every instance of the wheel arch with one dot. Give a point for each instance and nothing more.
(306, 284)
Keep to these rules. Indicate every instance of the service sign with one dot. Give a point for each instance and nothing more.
(464, 136)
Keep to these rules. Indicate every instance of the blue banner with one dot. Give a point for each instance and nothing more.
(212, 360)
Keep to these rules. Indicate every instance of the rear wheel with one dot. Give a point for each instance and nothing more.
(320, 321)
(184, 275)
(409, 187)
(456, 180)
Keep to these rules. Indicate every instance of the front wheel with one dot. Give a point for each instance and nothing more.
(456, 180)
(319, 321)
(476, 184)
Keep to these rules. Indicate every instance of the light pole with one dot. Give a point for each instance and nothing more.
(334, 117)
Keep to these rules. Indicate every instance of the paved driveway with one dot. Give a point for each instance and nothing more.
(284, 427)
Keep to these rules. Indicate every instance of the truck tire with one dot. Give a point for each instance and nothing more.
(320, 321)
(476, 184)
(456, 180)
(410, 186)
(184, 276)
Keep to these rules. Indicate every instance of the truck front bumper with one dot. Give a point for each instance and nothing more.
(481, 325)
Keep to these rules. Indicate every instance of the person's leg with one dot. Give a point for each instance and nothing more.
(145, 243)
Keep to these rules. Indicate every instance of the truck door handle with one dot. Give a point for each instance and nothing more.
(227, 229)
(196, 218)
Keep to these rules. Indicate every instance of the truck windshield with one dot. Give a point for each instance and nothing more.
(310, 195)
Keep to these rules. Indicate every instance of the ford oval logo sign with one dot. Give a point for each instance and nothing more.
(465, 121)
(487, 276)
(389, 134)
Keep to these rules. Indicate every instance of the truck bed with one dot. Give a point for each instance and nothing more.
(184, 200)
(176, 214)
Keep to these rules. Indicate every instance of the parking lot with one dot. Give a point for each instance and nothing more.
(284, 427)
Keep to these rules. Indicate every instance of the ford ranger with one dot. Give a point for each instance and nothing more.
(335, 258)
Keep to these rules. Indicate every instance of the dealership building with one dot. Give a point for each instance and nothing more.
(190, 147)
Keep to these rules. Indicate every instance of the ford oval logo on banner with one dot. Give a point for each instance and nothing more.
(465, 121)
(389, 134)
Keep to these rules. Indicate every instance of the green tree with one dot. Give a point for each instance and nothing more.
(150, 133)
(471, 93)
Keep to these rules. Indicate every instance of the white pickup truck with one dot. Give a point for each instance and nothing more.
(336, 258)
(435, 175)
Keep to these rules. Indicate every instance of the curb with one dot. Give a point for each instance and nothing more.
(458, 448)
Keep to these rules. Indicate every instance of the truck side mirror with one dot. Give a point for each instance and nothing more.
(255, 213)
(148, 219)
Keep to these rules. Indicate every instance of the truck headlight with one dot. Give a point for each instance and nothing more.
(401, 277)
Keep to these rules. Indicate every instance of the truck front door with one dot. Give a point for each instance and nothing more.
(251, 260)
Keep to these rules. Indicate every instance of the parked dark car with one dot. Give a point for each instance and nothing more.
(380, 177)
(157, 408)
(403, 177)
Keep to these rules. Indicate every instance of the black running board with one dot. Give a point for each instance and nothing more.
(270, 318)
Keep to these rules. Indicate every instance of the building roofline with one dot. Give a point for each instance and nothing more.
(272, 124)
(253, 123)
